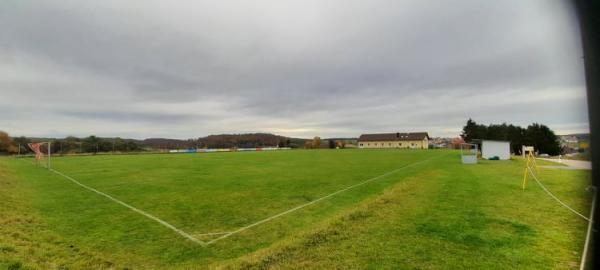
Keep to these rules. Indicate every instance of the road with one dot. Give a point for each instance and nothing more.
(572, 164)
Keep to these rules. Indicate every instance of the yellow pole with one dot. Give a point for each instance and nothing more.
(524, 178)
(525, 172)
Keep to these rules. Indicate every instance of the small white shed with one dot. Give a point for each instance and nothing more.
(500, 149)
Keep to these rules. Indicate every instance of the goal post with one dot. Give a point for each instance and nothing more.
(39, 153)
(469, 153)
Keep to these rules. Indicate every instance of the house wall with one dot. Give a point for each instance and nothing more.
(424, 144)
(495, 148)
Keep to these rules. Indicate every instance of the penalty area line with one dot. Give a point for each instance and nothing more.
(139, 211)
(319, 199)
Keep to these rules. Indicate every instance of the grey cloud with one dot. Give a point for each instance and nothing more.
(129, 116)
(297, 64)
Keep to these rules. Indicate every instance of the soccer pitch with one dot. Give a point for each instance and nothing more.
(300, 208)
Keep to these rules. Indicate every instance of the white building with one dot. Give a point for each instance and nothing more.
(500, 149)
(413, 140)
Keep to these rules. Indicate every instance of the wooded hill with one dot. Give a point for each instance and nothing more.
(226, 141)
(93, 144)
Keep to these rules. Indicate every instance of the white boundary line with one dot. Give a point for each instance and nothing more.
(556, 198)
(318, 200)
(589, 229)
(590, 220)
(210, 233)
(141, 212)
(227, 234)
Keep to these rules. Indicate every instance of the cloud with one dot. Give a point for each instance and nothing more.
(335, 68)
(128, 116)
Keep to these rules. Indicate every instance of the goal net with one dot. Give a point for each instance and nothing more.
(468, 153)
(39, 154)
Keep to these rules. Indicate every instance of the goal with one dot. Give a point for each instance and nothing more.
(39, 153)
(469, 153)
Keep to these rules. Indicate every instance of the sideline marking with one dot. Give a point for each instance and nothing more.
(141, 212)
(556, 198)
(318, 200)
(227, 234)
(211, 233)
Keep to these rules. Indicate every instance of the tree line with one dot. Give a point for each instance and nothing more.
(537, 135)
(248, 140)
(69, 145)
(94, 144)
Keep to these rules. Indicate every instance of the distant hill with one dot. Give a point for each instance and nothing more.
(244, 140)
(226, 141)
(582, 136)
(164, 143)
(342, 139)
(106, 144)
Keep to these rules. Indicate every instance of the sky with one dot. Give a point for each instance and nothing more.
(187, 69)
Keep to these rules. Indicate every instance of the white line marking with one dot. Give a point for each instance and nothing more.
(227, 234)
(141, 212)
(212, 233)
(554, 197)
(317, 200)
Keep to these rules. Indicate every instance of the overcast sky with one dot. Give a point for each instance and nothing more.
(185, 69)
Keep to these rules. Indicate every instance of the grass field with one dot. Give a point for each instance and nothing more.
(426, 211)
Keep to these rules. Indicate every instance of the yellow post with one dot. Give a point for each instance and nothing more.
(530, 158)
(525, 177)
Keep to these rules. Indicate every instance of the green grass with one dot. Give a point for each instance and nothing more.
(437, 214)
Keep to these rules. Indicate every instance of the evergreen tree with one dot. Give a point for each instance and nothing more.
(331, 143)
(516, 136)
(537, 135)
(470, 131)
(542, 139)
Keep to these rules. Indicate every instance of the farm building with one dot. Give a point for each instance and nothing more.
(416, 140)
(500, 149)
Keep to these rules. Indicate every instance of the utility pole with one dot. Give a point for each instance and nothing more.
(19, 151)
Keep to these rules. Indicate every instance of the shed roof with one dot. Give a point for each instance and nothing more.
(485, 140)
(410, 136)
